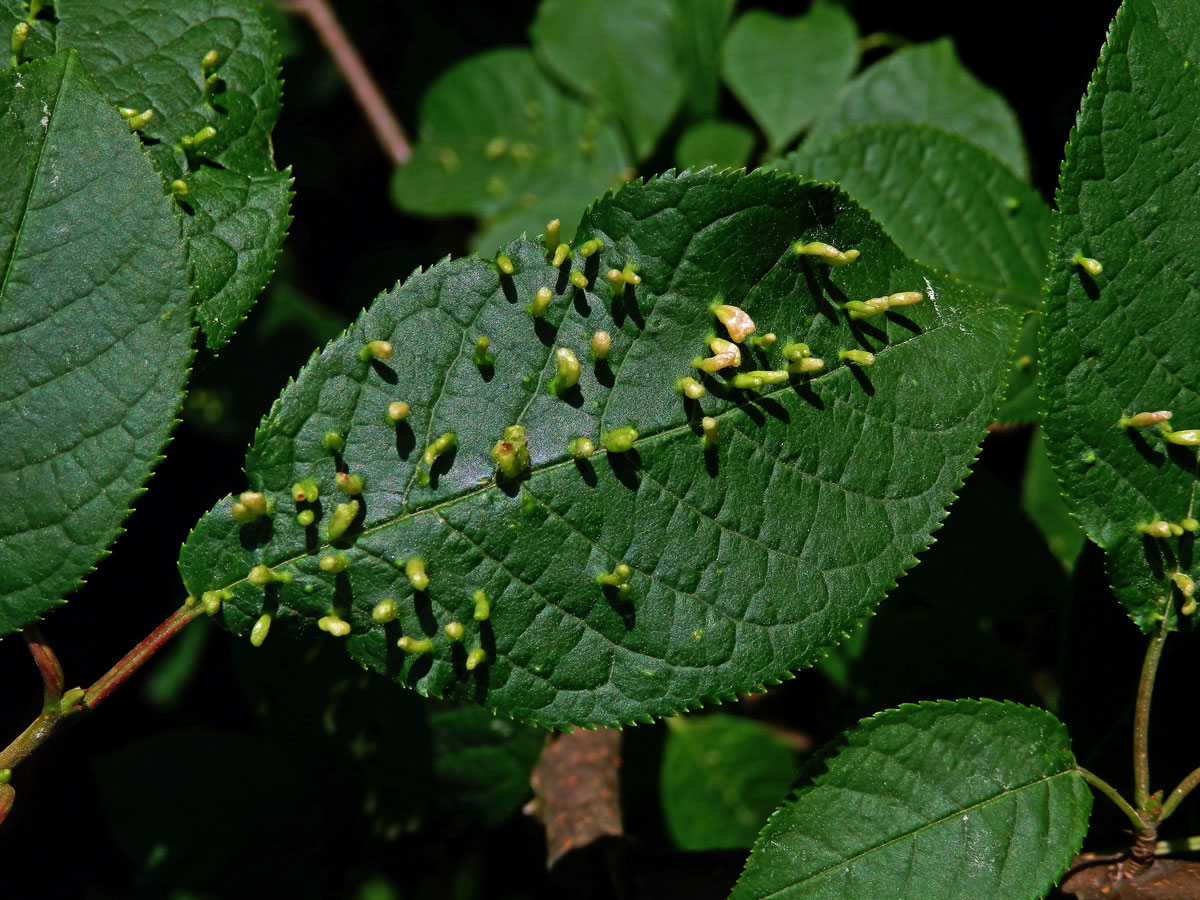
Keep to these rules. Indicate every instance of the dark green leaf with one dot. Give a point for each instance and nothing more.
(146, 54)
(969, 799)
(94, 330)
(727, 592)
(722, 776)
(726, 145)
(927, 83)
(1125, 340)
(699, 28)
(785, 70)
(1042, 500)
(501, 142)
(620, 56)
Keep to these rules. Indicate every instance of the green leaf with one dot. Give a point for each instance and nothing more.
(927, 83)
(699, 28)
(619, 55)
(726, 145)
(146, 54)
(94, 330)
(952, 206)
(785, 70)
(722, 776)
(727, 592)
(968, 799)
(1042, 500)
(1125, 340)
(500, 141)
(40, 41)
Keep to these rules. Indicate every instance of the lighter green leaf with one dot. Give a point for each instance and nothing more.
(40, 41)
(1042, 500)
(722, 776)
(927, 83)
(699, 28)
(501, 142)
(94, 330)
(1125, 341)
(785, 70)
(953, 800)
(620, 56)
(726, 145)
(146, 54)
(728, 592)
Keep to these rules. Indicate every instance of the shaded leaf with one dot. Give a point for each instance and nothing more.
(40, 41)
(722, 776)
(499, 141)
(1042, 500)
(94, 330)
(726, 145)
(699, 27)
(926, 83)
(1124, 341)
(726, 592)
(785, 70)
(970, 799)
(620, 56)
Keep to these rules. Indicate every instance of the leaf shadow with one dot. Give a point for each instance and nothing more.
(386, 372)
(604, 373)
(1149, 452)
(254, 534)
(508, 287)
(624, 467)
(625, 305)
(546, 332)
(406, 439)
(863, 381)
(622, 607)
(441, 465)
(587, 472)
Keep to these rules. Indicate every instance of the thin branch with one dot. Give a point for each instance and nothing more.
(1114, 795)
(366, 92)
(1141, 718)
(53, 678)
(1185, 787)
(139, 655)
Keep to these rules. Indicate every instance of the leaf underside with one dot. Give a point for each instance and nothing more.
(1124, 341)
(946, 800)
(748, 559)
(94, 330)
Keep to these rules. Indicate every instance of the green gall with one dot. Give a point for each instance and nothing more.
(827, 253)
(561, 254)
(305, 518)
(624, 591)
(1156, 529)
(630, 275)
(409, 645)
(375, 350)
(384, 611)
(905, 298)
(334, 562)
(305, 491)
(796, 351)
(454, 631)
(483, 356)
(616, 280)
(762, 341)
(496, 147)
(864, 309)
(179, 188)
(211, 601)
(397, 411)
(511, 454)
(618, 576)
(736, 321)
(1143, 419)
(1189, 437)
(211, 83)
(579, 279)
(709, 426)
(476, 658)
(601, 344)
(1012, 204)
(724, 354)
(447, 441)
(209, 61)
(806, 366)
(566, 371)
(348, 484)
(858, 357)
(521, 152)
(71, 698)
(553, 236)
(620, 440)
(590, 248)
(261, 576)
(1089, 265)
(334, 625)
(343, 516)
(334, 441)
(20, 34)
(483, 607)
(5, 776)
(127, 112)
(250, 505)
(504, 264)
(581, 448)
(258, 633)
(690, 388)
(1186, 586)
(1189, 524)
(541, 302)
(415, 570)
(1176, 530)
(203, 136)
(496, 186)
(141, 120)
(755, 380)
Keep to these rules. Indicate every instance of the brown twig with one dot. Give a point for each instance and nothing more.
(366, 92)
(47, 663)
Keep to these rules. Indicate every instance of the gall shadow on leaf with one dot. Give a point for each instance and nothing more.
(441, 466)
(712, 462)
(386, 372)
(487, 371)
(254, 534)
(591, 268)
(1148, 451)
(343, 596)
(625, 305)
(483, 673)
(509, 289)
(423, 607)
(624, 466)
(862, 330)
(1088, 283)
(546, 332)
(1154, 552)
(604, 373)
(753, 413)
(587, 472)
(623, 608)
(312, 541)
(511, 487)
(863, 381)
(904, 322)
(270, 604)
(581, 303)
(772, 407)
(572, 396)
(564, 278)
(803, 389)
(816, 287)
(1183, 457)
(406, 440)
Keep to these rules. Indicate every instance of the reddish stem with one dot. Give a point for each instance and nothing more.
(137, 657)
(53, 678)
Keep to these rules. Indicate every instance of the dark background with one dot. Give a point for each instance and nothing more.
(346, 245)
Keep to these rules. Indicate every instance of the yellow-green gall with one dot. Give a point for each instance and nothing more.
(343, 516)
(141, 120)
(411, 645)
(483, 607)
(349, 484)
(827, 253)
(1156, 529)
(209, 61)
(305, 491)
(553, 235)
(483, 355)
(305, 517)
(376, 350)
(454, 631)
(1188, 437)
(561, 254)
(1186, 586)
(589, 248)
(20, 34)
(250, 505)
(1189, 524)
(620, 440)
(415, 570)
(616, 577)
(762, 341)
(261, 575)
(616, 280)
(504, 264)
(1089, 265)
(579, 279)
(203, 136)
(905, 298)
(511, 454)
(447, 441)
(397, 411)
(735, 319)
(630, 275)
(334, 441)
(496, 147)
(384, 611)
(5, 776)
(211, 601)
(724, 354)
(1144, 419)
(690, 388)
(179, 188)
(566, 371)
(709, 426)
(258, 633)
(600, 345)
(858, 357)
(334, 625)
(806, 365)
(476, 658)
(756, 379)
(541, 302)
(581, 448)
(334, 562)
(796, 351)
(864, 309)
